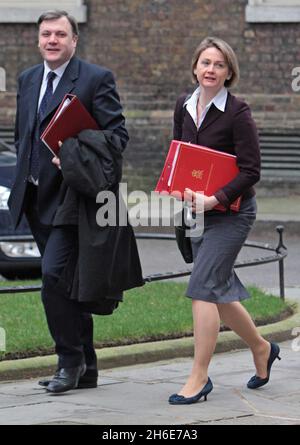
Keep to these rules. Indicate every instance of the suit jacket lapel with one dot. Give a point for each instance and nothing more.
(212, 115)
(65, 86)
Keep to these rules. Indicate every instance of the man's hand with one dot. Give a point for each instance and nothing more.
(56, 160)
(204, 202)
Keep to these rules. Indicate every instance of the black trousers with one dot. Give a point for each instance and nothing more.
(70, 327)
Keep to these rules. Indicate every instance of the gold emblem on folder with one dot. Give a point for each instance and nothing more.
(198, 174)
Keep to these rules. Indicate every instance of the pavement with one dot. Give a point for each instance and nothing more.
(282, 208)
(138, 395)
(135, 381)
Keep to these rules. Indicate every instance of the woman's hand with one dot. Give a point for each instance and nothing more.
(56, 160)
(199, 201)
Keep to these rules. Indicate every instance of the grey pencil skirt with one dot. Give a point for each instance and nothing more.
(213, 278)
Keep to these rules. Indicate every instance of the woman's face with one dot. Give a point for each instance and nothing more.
(212, 69)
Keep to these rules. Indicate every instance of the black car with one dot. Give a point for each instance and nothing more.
(19, 256)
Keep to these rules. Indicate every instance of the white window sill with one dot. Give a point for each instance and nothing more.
(272, 14)
(31, 12)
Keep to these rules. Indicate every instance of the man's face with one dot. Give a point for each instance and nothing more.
(56, 41)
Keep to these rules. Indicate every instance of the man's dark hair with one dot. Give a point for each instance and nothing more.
(57, 14)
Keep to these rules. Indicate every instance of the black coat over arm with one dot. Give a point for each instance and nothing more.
(107, 261)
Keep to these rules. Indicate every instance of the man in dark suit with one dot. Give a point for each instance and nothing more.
(38, 180)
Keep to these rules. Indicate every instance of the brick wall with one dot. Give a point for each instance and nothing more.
(149, 44)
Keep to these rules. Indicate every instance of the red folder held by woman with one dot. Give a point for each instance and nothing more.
(201, 169)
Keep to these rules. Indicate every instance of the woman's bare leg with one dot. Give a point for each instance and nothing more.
(206, 328)
(236, 317)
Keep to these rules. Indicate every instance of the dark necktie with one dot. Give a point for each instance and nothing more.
(35, 155)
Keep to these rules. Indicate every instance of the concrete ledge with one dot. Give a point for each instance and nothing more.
(272, 13)
(147, 352)
(13, 12)
(267, 224)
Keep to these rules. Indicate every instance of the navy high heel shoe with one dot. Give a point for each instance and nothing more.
(176, 399)
(257, 382)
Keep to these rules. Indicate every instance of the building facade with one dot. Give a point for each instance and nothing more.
(149, 44)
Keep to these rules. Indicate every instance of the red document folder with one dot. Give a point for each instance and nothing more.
(198, 168)
(70, 118)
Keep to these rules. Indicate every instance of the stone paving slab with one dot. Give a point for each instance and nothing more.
(138, 395)
(255, 420)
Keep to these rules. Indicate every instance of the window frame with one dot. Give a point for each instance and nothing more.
(28, 12)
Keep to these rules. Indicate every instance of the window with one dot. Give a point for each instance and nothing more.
(276, 11)
(19, 11)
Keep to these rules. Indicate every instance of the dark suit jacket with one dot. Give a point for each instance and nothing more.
(233, 131)
(95, 87)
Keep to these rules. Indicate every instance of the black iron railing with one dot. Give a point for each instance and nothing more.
(279, 254)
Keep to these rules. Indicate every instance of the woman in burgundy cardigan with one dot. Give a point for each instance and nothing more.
(213, 117)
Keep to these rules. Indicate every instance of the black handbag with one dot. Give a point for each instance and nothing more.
(183, 241)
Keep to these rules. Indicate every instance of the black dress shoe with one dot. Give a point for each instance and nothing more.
(88, 380)
(46, 382)
(66, 379)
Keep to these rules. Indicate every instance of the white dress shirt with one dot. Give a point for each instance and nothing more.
(59, 73)
(191, 104)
